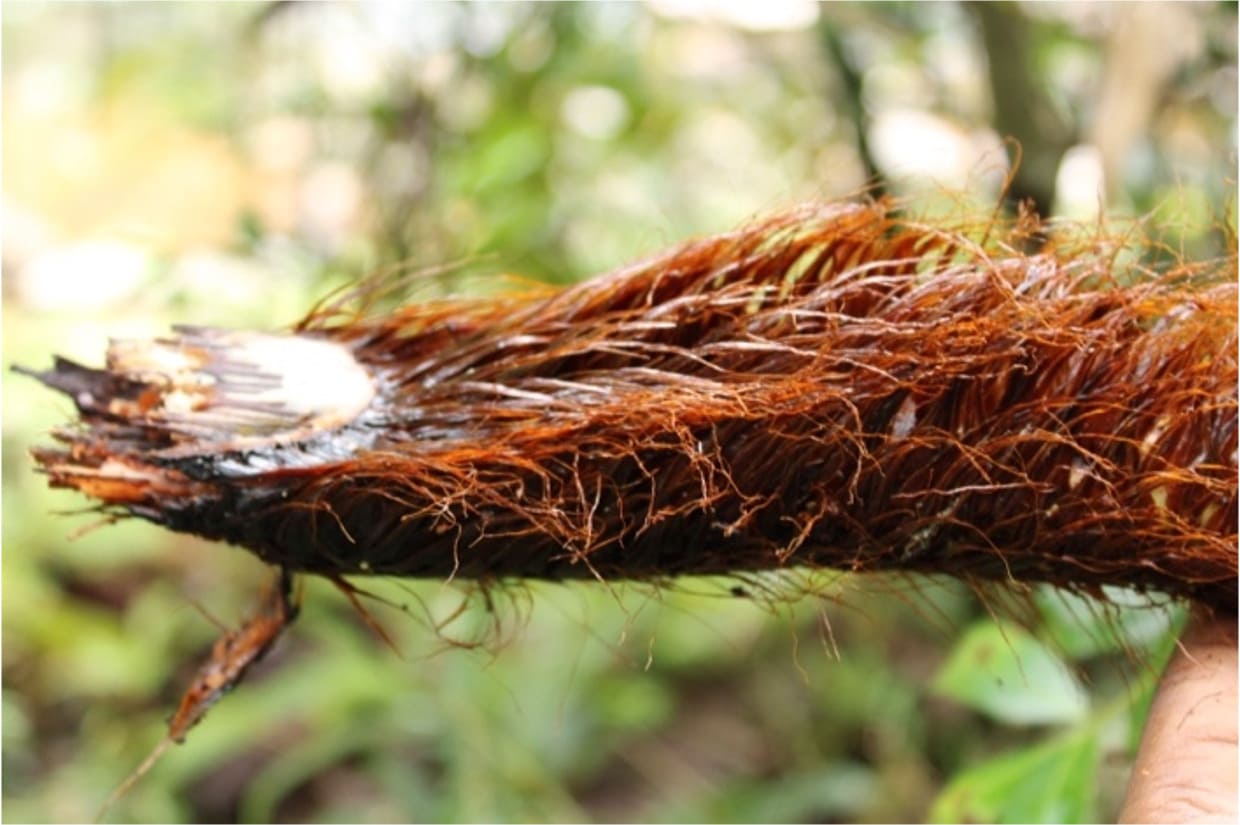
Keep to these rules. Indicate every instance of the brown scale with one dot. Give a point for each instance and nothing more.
(231, 657)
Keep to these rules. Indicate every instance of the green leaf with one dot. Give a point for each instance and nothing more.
(1080, 627)
(1003, 672)
(1052, 782)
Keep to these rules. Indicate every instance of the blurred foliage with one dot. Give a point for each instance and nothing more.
(229, 163)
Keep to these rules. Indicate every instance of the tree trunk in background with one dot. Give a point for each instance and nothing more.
(1148, 45)
(1022, 109)
(849, 102)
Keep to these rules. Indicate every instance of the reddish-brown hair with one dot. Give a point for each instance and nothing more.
(835, 387)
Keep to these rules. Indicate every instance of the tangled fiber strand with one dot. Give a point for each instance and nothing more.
(832, 387)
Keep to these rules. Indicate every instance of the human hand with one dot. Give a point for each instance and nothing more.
(1186, 766)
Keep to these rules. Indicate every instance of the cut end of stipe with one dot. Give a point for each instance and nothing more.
(161, 407)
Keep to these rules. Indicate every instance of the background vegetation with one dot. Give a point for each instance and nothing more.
(226, 164)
